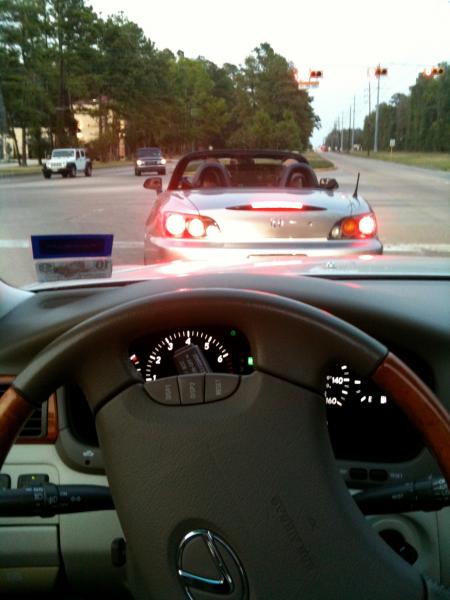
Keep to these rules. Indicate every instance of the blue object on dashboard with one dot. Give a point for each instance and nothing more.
(71, 246)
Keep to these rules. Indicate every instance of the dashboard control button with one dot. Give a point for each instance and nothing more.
(5, 481)
(192, 389)
(358, 474)
(219, 386)
(164, 391)
(378, 474)
(31, 479)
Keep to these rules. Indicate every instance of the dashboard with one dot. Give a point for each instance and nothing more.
(372, 440)
(363, 423)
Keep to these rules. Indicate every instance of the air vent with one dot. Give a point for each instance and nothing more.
(36, 426)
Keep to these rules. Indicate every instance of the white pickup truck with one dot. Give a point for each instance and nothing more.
(67, 162)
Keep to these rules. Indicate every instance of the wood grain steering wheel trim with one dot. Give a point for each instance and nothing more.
(422, 407)
(14, 411)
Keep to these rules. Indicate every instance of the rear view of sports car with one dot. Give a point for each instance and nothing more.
(250, 204)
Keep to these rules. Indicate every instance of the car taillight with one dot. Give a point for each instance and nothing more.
(190, 226)
(367, 225)
(358, 227)
(175, 224)
(196, 228)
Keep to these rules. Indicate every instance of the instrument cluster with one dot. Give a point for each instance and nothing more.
(364, 424)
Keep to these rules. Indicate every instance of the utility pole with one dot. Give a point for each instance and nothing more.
(350, 130)
(377, 115)
(342, 133)
(353, 128)
(368, 124)
(379, 71)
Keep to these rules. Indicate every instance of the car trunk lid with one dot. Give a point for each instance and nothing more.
(256, 214)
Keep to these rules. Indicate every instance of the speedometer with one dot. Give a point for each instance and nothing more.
(364, 424)
(187, 351)
(337, 386)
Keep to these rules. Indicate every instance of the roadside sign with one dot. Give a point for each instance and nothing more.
(392, 143)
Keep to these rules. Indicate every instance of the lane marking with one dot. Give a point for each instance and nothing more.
(129, 244)
(411, 248)
(136, 244)
(14, 244)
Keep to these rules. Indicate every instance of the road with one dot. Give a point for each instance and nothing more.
(412, 206)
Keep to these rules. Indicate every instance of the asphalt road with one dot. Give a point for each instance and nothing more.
(412, 206)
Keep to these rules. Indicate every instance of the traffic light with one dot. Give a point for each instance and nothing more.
(379, 71)
(433, 71)
(315, 74)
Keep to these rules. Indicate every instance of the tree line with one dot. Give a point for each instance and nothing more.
(418, 121)
(56, 55)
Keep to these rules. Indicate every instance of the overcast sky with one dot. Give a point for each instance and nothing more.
(342, 37)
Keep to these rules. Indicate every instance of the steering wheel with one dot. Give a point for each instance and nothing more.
(231, 488)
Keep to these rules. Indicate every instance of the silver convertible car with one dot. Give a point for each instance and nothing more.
(254, 203)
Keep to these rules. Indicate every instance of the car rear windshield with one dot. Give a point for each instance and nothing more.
(148, 152)
(62, 153)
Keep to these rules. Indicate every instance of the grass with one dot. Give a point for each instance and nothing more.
(15, 170)
(112, 164)
(317, 161)
(427, 160)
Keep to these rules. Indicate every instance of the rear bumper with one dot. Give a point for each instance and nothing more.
(163, 249)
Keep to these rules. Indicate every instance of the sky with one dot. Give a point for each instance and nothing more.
(343, 38)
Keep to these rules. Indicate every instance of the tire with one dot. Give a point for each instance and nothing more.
(72, 171)
(64, 174)
(47, 174)
(137, 172)
(88, 170)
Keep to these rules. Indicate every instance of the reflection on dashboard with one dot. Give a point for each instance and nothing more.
(192, 350)
(364, 423)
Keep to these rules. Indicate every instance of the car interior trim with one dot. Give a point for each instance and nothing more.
(420, 404)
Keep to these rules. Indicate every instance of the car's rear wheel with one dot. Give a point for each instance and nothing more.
(88, 170)
(72, 171)
(64, 174)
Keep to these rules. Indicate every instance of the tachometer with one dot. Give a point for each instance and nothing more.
(187, 351)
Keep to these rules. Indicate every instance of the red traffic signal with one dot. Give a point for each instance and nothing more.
(379, 71)
(433, 71)
(315, 74)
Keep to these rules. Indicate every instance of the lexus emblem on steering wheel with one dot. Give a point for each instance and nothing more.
(207, 564)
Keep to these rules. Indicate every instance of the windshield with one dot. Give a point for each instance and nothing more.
(320, 133)
(62, 153)
(148, 152)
